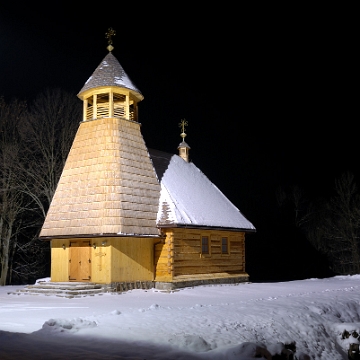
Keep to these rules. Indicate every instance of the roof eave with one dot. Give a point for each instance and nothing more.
(83, 94)
(204, 227)
(77, 236)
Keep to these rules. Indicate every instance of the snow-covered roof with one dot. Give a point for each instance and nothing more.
(189, 198)
(109, 73)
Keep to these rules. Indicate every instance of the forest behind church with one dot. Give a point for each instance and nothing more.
(302, 237)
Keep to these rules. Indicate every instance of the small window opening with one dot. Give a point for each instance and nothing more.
(205, 245)
(224, 245)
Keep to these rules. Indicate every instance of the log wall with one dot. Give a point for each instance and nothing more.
(181, 254)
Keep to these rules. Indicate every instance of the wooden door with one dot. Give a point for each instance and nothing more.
(80, 260)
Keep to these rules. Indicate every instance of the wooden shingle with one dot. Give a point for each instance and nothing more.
(108, 185)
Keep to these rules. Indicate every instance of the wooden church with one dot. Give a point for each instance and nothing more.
(124, 213)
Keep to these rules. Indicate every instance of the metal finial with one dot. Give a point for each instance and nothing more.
(108, 35)
(183, 123)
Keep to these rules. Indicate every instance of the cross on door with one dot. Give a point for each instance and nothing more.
(100, 254)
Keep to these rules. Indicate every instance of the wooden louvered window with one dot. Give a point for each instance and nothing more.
(98, 106)
(119, 105)
(109, 104)
(89, 108)
(103, 106)
(132, 114)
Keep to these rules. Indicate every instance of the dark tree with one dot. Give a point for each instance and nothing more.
(13, 202)
(333, 226)
(53, 120)
(34, 143)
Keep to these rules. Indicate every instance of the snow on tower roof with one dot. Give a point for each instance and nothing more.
(109, 73)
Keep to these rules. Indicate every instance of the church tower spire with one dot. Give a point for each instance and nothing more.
(183, 148)
(109, 92)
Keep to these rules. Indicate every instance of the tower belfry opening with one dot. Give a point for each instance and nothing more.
(110, 103)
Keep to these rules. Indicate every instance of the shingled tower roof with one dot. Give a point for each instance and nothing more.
(110, 73)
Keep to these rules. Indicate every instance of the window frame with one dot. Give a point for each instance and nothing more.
(227, 244)
(204, 246)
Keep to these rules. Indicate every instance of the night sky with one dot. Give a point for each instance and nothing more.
(270, 95)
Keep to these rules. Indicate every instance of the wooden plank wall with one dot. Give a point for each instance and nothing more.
(164, 256)
(181, 254)
(119, 259)
(59, 260)
(132, 259)
(100, 260)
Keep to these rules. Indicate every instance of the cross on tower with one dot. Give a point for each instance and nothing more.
(182, 125)
(109, 34)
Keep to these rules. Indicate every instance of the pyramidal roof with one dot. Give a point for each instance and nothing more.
(108, 185)
(109, 73)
